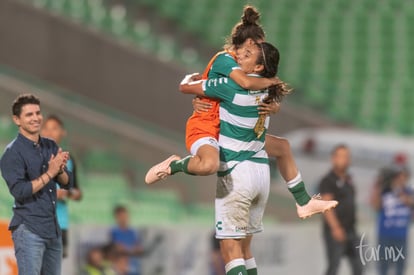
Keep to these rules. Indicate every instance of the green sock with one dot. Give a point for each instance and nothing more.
(252, 271)
(236, 267)
(238, 270)
(299, 193)
(180, 165)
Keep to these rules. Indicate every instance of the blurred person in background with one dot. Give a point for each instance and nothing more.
(54, 129)
(127, 240)
(339, 230)
(95, 263)
(32, 166)
(394, 201)
(116, 260)
(120, 264)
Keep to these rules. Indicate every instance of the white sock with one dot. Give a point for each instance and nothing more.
(295, 181)
(234, 263)
(250, 263)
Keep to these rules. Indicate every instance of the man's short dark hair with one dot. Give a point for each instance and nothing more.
(55, 118)
(23, 100)
(339, 147)
(119, 209)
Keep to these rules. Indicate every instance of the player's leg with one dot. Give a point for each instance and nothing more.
(231, 251)
(231, 235)
(306, 206)
(204, 160)
(232, 207)
(280, 149)
(249, 259)
(260, 187)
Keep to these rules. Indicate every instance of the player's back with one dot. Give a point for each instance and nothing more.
(238, 116)
(207, 124)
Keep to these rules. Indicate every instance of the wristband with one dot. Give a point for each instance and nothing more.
(50, 178)
(42, 181)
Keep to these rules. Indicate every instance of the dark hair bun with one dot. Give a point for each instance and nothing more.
(250, 16)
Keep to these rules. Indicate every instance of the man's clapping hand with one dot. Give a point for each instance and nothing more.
(57, 163)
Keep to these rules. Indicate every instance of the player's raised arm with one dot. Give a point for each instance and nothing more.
(251, 82)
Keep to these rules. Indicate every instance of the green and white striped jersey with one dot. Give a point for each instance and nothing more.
(238, 116)
(223, 65)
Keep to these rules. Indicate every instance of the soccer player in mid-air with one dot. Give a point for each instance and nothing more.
(203, 127)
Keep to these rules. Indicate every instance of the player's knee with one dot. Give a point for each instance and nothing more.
(284, 146)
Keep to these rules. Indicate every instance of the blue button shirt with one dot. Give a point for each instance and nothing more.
(22, 162)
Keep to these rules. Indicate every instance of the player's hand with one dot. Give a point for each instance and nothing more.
(201, 106)
(195, 77)
(190, 78)
(339, 235)
(274, 81)
(268, 109)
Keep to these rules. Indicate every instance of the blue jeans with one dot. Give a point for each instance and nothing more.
(35, 255)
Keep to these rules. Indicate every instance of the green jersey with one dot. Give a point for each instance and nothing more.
(238, 116)
(223, 65)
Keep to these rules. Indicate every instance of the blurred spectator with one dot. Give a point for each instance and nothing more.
(394, 201)
(339, 231)
(95, 263)
(120, 264)
(53, 128)
(127, 240)
(117, 260)
(217, 263)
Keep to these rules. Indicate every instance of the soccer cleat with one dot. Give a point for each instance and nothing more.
(314, 206)
(160, 171)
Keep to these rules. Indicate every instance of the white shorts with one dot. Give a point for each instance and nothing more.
(241, 199)
(204, 141)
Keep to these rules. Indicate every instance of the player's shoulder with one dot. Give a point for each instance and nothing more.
(225, 57)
